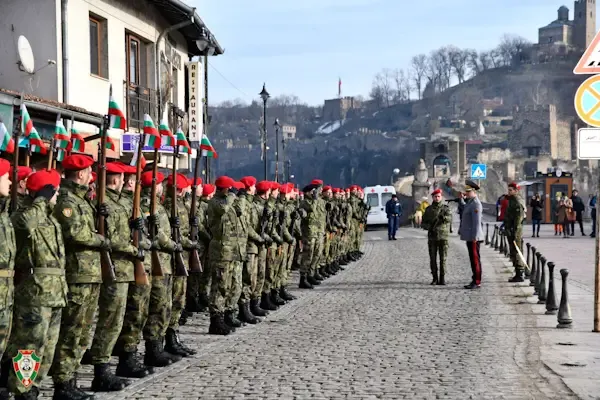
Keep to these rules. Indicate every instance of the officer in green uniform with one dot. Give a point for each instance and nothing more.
(208, 191)
(436, 220)
(261, 302)
(513, 226)
(273, 252)
(77, 218)
(7, 256)
(313, 213)
(288, 208)
(40, 278)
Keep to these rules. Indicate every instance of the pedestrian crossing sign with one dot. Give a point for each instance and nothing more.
(589, 64)
(478, 171)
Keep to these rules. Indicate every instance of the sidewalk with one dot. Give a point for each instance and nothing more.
(573, 354)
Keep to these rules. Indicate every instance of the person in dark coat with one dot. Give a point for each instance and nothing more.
(393, 209)
(579, 208)
(592, 205)
(537, 209)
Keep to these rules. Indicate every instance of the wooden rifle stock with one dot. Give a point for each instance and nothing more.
(108, 268)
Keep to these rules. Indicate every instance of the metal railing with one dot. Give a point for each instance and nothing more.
(139, 101)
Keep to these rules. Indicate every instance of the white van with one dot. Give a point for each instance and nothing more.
(376, 197)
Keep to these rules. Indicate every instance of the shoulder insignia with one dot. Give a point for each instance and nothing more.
(67, 212)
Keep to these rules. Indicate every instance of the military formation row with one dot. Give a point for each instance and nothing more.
(231, 253)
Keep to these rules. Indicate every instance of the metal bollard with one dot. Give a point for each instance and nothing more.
(528, 270)
(497, 238)
(487, 233)
(493, 237)
(506, 246)
(533, 266)
(551, 306)
(501, 247)
(536, 284)
(565, 320)
(542, 288)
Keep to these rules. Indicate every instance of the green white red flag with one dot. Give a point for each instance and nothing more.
(184, 146)
(152, 137)
(207, 148)
(77, 142)
(117, 118)
(36, 144)
(165, 134)
(61, 136)
(7, 144)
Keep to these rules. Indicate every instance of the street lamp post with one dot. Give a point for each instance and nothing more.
(277, 126)
(395, 172)
(264, 95)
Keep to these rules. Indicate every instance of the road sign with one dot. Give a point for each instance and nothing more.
(478, 171)
(129, 142)
(589, 64)
(588, 144)
(587, 101)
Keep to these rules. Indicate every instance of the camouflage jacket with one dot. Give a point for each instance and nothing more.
(20, 200)
(203, 234)
(77, 218)
(284, 220)
(245, 203)
(273, 229)
(313, 225)
(436, 219)
(264, 218)
(8, 248)
(183, 212)
(514, 214)
(294, 225)
(40, 265)
(162, 238)
(126, 200)
(224, 227)
(119, 233)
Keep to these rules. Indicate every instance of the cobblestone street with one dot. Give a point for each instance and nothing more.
(375, 331)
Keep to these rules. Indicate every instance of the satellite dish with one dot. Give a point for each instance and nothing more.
(26, 61)
(558, 172)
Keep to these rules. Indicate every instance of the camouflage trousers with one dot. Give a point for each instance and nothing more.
(249, 275)
(357, 236)
(437, 247)
(289, 262)
(261, 270)
(75, 329)
(235, 286)
(514, 258)
(159, 308)
(178, 303)
(197, 287)
(34, 328)
(6, 320)
(312, 250)
(136, 314)
(281, 276)
(111, 311)
(326, 249)
(273, 259)
(222, 271)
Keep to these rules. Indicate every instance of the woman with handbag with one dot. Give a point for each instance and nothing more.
(537, 207)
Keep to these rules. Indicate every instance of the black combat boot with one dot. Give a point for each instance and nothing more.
(129, 366)
(442, 280)
(105, 381)
(284, 294)
(183, 347)
(87, 358)
(256, 310)
(245, 315)
(33, 394)
(275, 298)
(343, 261)
(304, 283)
(218, 325)
(69, 391)
(184, 317)
(518, 276)
(155, 356)
(231, 320)
(203, 301)
(172, 345)
(331, 270)
(310, 279)
(265, 302)
(192, 304)
(323, 272)
(318, 276)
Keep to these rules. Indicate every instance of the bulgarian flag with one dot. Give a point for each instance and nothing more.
(7, 144)
(151, 133)
(117, 118)
(35, 141)
(77, 142)
(60, 155)
(165, 134)
(184, 146)
(61, 136)
(110, 143)
(134, 159)
(207, 148)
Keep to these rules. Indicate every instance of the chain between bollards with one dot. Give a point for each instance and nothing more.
(542, 288)
(565, 320)
(551, 306)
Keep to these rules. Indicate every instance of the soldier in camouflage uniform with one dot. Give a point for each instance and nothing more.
(313, 229)
(274, 251)
(513, 225)
(208, 191)
(7, 256)
(293, 229)
(23, 173)
(284, 223)
(330, 226)
(40, 279)
(138, 296)
(261, 303)
(161, 293)
(172, 343)
(224, 252)
(245, 204)
(436, 220)
(77, 218)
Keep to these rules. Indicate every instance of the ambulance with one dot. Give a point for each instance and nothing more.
(376, 197)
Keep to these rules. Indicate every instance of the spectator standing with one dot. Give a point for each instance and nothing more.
(537, 208)
(393, 209)
(579, 209)
(592, 205)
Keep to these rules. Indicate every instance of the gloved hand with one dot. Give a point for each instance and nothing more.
(103, 210)
(140, 255)
(178, 248)
(136, 224)
(153, 220)
(268, 240)
(175, 222)
(302, 213)
(194, 221)
(238, 212)
(154, 245)
(105, 244)
(145, 245)
(278, 241)
(193, 245)
(46, 192)
(290, 240)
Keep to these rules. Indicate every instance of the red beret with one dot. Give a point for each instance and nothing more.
(285, 188)
(263, 186)
(316, 182)
(224, 182)
(39, 179)
(436, 191)
(274, 185)
(94, 177)
(326, 188)
(182, 181)
(239, 185)
(4, 166)
(198, 181)
(77, 162)
(147, 178)
(514, 185)
(127, 169)
(114, 168)
(248, 181)
(22, 173)
(207, 189)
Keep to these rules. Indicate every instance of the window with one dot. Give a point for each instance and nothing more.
(385, 197)
(373, 200)
(174, 91)
(98, 46)
(133, 60)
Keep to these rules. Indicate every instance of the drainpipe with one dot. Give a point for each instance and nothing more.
(157, 75)
(65, 51)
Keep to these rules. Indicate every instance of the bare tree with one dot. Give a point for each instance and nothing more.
(433, 73)
(402, 92)
(485, 60)
(458, 60)
(383, 80)
(511, 47)
(442, 57)
(376, 95)
(419, 65)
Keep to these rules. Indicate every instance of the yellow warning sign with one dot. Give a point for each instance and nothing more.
(587, 101)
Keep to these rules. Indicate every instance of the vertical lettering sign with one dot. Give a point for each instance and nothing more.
(195, 101)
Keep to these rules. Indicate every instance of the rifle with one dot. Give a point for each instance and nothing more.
(177, 263)
(108, 268)
(139, 271)
(264, 221)
(156, 267)
(195, 264)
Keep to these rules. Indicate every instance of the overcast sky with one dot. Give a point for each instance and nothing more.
(301, 47)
